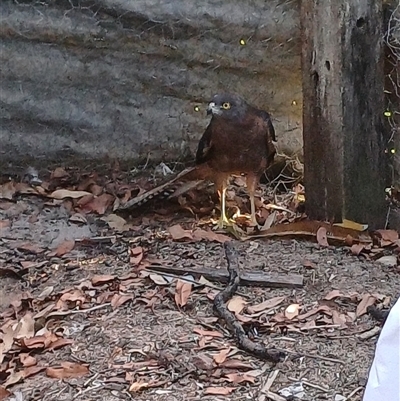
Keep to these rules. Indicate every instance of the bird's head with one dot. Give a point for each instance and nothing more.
(227, 106)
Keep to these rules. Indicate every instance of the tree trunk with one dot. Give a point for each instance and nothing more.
(343, 78)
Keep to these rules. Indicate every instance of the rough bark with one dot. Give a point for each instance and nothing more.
(344, 142)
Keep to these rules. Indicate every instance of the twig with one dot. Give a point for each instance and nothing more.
(244, 343)
(71, 312)
(265, 388)
(307, 383)
(354, 392)
(323, 358)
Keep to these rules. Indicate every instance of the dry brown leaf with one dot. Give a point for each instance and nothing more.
(178, 233)
(207, 333)
(356, 249)
(309, 265)
(235, 364)
(25, 327)
(65, 193)
(292, 311)
(238, 378)
(3, 393)
(8, 341)
(7, 190)
(13, 378)
(67, 370)
(366, 300)
(182, 292)
(32, 370)
(321, 308)
(200, 234)
(322, 237)
(27, 360)
(236, 304)
(59, 172)
(99, 204)
(158, 279)
(65, 247)
(338, 318)
(138, 386)
(218, 390)
(115, 222)
(221, 356)
(4, 224)
(73, 297)
(100, 279)
(268, 304)
(333, 294)
(389, 236)
(135, 255)
(59, 343)
(203, 362)
(32, 248)
(117, 300)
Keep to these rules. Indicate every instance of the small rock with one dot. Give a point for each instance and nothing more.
(390, 260)
(339, 397)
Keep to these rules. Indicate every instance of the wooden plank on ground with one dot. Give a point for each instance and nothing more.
(249, 279)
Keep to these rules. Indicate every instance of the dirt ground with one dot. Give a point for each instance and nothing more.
(139, 345)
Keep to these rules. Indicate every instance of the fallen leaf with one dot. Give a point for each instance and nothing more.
(27, 360)
(390, 236)
(59, 172)
(238, 378)
(388, 260)
(182, 292)
(178, 233)
(115, 222)
(98, 204)
(31, 248)
(8, 341)
(221, 356)
(268, 304)
(236, 304)
(78, 218)
(7, 190)
(100, 279)
(356, 249)
(65, 193)
(366, 300)
(208, 333)
(333, 294)
(59, 343)
(3, 393)
(309, 265)
(235, 364)
(117, 300)
(338, 318)
(209, 235)
(218, 390)
(352, 225)
(203, 362)
(292, 311)
(321, 308)
(4, 224)
(321, 237)
(32, 370)
(138, 386)
(136, 255)
(67, 370)
(73, 297)
(25, 327)
(65, 247)
(13, 378)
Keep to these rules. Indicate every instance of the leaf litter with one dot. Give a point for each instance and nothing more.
(98, 281)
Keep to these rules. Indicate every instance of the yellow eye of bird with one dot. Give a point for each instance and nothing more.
(196, 108)
(226, 106)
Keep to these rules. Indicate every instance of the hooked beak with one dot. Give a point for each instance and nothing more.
(213, 109)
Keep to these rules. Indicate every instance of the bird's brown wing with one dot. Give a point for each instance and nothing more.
(204, 149)
(269, 135)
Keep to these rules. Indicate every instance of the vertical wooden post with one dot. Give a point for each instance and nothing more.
(343, 80)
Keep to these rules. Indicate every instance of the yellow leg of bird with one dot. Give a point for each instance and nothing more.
(223, 220)
(251, 182)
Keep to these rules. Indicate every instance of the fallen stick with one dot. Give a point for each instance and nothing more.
(257, 349)
(261, 279)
